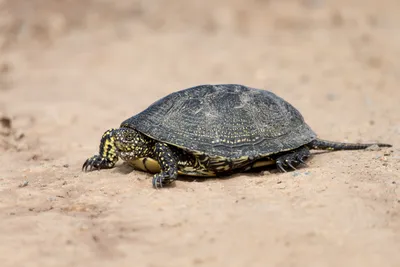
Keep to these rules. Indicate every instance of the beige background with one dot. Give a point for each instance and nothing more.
(69, 70)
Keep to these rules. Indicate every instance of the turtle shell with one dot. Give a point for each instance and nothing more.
(226, 120)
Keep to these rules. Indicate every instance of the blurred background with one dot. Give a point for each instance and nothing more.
(70, 69)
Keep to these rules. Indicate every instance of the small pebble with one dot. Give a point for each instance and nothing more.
(5, 122)
(265, 173)
(25, 183)
(331, 97)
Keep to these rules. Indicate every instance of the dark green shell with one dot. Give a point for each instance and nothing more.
(226, 120)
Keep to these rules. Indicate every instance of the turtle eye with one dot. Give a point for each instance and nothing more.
(128, 136)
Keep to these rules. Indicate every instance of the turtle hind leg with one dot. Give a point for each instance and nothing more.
(291, 159)
(168, 163)
(107, 156)
(329, 145)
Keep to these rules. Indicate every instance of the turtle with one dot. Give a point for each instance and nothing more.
(213, 130)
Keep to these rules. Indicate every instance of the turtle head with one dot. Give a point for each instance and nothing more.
(130, 143)
(126, 143)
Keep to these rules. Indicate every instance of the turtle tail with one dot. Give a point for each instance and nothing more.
(329, 145)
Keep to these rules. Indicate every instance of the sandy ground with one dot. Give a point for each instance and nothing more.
(69, 70)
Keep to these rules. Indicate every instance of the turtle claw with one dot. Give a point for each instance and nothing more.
(286, 162)
(157, 181)
(96, 163)
(301, 160)
(161, 180)
(292, 159)
(280, 166)
(291, 165)
(87, 166)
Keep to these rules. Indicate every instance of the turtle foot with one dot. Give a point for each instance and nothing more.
(292, 159)
(96, 163)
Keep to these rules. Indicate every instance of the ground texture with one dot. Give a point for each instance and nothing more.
(69, 70)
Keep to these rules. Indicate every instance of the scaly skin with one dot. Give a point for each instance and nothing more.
(107, 156)
(168, 164)
(329, 145)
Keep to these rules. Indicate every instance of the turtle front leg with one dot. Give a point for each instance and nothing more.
(168, 164)
(107, 156)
